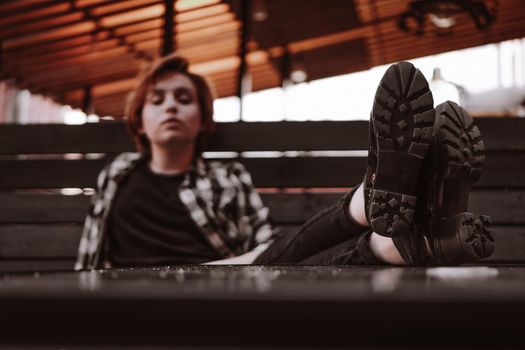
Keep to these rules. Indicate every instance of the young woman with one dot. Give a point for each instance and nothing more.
(165, 205)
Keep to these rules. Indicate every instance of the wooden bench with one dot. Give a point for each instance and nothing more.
(303, 167)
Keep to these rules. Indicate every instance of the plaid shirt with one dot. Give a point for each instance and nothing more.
(220, 198)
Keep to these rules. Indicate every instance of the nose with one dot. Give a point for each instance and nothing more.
(170, 103)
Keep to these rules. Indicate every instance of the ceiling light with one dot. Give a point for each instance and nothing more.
(442, 21)
(259, 11)
(298, 73)
(443, 14)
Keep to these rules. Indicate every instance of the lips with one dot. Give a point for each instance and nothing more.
(172, 122)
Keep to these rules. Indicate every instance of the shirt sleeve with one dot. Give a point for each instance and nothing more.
(90, 234)
(90, 247)
(258, 215)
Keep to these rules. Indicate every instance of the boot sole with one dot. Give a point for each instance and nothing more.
(460, 159)
(473, 234)
(403, 123)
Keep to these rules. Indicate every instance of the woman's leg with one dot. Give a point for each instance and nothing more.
(355, 251)
(328, 228)
(334, 231)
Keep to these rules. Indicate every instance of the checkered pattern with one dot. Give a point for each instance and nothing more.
(220, 199)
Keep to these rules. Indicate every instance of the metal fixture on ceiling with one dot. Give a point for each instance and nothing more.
(442, 14)
(293, 69)
(259, 11)
(298, 72)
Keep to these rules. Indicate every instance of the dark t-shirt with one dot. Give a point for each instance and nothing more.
(149, 225)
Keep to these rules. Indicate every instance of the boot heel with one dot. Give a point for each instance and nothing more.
(464, 238)
(391, 213)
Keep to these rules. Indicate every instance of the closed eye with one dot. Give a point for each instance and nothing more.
(156, 97)
(184, 96)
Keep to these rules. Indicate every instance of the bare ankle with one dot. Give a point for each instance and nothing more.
(385, 250)
(356, 208)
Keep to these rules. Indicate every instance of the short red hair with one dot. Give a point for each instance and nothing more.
(147, 77)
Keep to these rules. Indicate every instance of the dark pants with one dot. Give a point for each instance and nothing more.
(329, 238)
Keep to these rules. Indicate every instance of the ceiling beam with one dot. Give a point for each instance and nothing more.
(168, 42)
(86, 44)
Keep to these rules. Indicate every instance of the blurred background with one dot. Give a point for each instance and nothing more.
(74, 61)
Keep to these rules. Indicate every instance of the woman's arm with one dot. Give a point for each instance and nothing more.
(244, 259)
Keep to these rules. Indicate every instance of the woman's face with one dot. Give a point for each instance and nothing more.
(171, 113)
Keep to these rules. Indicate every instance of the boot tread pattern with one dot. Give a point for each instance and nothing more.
(477, 236)
(469, 239)
(391, 213)
(403, 119)
(462, 140)
(403, 111)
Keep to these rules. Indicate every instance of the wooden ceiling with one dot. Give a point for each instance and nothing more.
(62, 47)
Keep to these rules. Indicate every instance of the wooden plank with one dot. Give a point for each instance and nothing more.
(499, 134)
(25, 265)
(500, 171)
(502, 134)
(505, 207)
(50, 173)
(42, 208)
(39, 241)
(112, 137)
(509, 243)
(304, 136)
(61, 242)
(503, 169)
(57, 138)
(307, 308)
(267, 172)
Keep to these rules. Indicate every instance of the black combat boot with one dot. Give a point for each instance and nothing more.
(401, 129)
(444, 232)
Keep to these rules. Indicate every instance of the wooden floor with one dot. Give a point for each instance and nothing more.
(266, 307)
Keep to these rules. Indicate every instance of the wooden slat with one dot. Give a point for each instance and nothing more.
(291, 136)
(502, 134)
(48, 27)
(42, 208)
(115, 60)
(266, 172)
(505, 207)
(48, 23)
(499, 171)
(50, 173)
(123, 32)
(39, 241)
(509, 243)
(95, 138)
(70, 68)
(106, 78)
(25, 265)
(14, 7)
(29, 242)
(498, 133)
